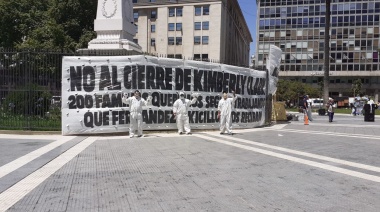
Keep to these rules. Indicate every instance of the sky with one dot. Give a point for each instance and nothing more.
(249, 10)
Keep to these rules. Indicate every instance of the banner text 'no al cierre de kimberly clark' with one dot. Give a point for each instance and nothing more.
(93, 87)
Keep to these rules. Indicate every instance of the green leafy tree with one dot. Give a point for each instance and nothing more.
(357, 86)
(49, 24)
(19, 18)
(292, 90)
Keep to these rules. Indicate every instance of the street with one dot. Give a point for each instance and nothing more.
(286, 167)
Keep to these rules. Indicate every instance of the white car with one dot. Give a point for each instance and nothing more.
(316, 103)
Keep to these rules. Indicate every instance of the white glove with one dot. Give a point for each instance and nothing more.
(125, 95)
(150, 98)
(195, 95)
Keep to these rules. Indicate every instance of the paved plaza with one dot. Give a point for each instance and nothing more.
(285, 167)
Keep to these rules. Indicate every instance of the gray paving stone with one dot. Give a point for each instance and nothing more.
(191, 174)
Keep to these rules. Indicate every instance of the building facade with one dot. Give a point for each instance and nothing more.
(298, 28)
(193, 29)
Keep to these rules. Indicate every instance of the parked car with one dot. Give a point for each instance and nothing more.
(316, 103)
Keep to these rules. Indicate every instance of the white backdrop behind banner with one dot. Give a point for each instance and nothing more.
(92, 89)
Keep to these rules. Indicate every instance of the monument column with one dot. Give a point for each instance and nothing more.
(114, 26)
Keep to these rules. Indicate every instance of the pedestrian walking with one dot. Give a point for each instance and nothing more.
(180, 111)
(135, 108)
(307, 107)
(225, 106)
(330, 109)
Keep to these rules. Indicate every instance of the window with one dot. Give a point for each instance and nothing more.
(153, 41)
(153, 14)
(137, 28)
(170, 40)
(134, 1)
(197, 40)
(152, 0)
(179, 11)
(171, 12)
(197, 25)
(135, 16)
(178, 41)
(178, 56)
(179, 26)
(171, 26)
(203, 57)
(152, 28)
(205, 40)
(206, 10)
(205, 25)
(198, 11)
(136, 40)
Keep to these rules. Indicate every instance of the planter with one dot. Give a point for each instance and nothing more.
(321, 112)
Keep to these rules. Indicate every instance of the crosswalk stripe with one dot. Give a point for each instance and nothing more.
(295, 159)
(15, 193)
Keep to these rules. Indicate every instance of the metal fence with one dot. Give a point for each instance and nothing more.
(30, 87)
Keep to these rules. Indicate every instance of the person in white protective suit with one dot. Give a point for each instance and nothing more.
(224, 112)
(180, 110)
(135, 108)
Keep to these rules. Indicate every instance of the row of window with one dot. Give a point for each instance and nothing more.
(335, 21)
(201, 25)
(175, 26)
(298, 2)
(352, 8)
(310, 32)
(174, 40)
(350, 67)
(197, 26)
(339, 80)
(198, 11)
(196, 56)
(176, 11)
(178, 40)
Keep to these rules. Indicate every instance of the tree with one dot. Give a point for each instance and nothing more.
(292, 90)
(51, 24)
(357, 87)
(20, 17)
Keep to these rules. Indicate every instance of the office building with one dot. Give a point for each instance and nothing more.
(194, 29)
(298, 28)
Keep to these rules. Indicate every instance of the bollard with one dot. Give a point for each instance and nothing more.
(305, 119)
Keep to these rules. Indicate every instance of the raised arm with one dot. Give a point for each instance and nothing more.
(233, 99)
(147, 102)
(125, 99)
(194, 100)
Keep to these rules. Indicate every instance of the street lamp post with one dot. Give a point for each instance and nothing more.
(326, 79)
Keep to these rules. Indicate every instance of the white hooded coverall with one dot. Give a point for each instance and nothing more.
(180, 108)
(135, 116)
(225, 108)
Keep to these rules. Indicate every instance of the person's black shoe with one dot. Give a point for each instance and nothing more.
(221, 133)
